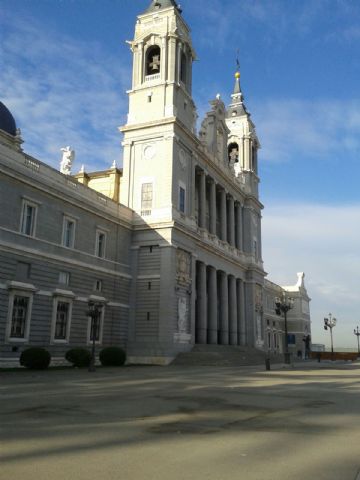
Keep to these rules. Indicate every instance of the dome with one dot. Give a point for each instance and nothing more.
(7, 122)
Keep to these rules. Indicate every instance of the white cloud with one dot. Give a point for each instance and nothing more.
(322, 241)
(63, 92)
(290, 127)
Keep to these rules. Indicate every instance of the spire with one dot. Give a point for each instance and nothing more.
(237, 106)
(161, 4)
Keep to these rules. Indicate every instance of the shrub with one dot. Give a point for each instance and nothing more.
(36, 358)
(79, 357)
(112, 357)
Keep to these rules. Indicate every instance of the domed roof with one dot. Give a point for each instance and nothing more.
(7, 122)
(161, 4)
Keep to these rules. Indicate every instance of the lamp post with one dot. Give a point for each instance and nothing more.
(330, 323)
(283, 305)
(94, 311)
(357, 333)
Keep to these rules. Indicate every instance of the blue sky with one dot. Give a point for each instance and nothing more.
(65, 68)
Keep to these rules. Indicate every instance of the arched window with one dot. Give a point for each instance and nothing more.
(183, 68)
(254, 158)
(153, 57)
(233, 151)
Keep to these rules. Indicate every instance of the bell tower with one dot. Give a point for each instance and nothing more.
(161, 110)
(162, 66)
(243, 143)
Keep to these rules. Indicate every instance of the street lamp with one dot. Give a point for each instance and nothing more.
(330, 323)
(283, 305)
(357, 333)
(94, 312)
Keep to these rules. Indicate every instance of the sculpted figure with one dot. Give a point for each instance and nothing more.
(67, 160)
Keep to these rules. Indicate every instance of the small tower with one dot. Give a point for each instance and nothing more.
(243, 143)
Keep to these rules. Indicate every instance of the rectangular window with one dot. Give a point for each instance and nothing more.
(19, 317)
(98, 286)
(100, 244)
(28, 219)
(64, 278)
(62, 320)
(182, 199)
(68, 239)
(146, 198)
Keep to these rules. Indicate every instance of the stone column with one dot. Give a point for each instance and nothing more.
(141, 63)
(212, 204)
(179, 50)
(212, 307)
(231, 221)
(239, 227)
(223, 215)
(201, 327)
(224, 309)
(233, 327)
(241, 312)
(202, 200)
(193, 188)
(164, 58)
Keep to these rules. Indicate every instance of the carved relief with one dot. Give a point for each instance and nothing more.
(182, 159)
(149, 152)
(183, 267)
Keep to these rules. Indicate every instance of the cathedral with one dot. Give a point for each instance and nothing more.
(169, 246)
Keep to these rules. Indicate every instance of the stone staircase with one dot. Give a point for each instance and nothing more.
(223, 355)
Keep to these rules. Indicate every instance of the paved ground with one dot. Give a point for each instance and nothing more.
(173, 423)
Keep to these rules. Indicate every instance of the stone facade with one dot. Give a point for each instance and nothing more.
(170, 245)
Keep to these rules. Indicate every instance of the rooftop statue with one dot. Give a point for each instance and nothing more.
(68, 157)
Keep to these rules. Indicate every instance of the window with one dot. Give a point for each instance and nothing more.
(100, 244)
(183, 72)
(28, 218)
(146, 198)
(61, 319)
(19, 313)
(233, 152)
(182, 199)
(68, 239)
(19, 316)
(64, 278)
(153, 60)
(98, 286)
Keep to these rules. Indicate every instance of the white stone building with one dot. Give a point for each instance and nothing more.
(170, 244)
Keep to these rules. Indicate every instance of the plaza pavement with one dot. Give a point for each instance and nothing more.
(177, 423)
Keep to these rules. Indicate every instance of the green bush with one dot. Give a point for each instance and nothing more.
(36, 358)
(112, 357)
(79, 357)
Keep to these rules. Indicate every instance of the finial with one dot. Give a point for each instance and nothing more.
(113, 164)
(82, 169)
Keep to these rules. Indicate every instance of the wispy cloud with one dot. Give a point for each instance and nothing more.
(292, 128)
(62, 92)
(323, 241)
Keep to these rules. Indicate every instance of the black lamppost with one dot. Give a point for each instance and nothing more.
(330, 323)
(94, 312)
(357, 333)
(283, 305)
